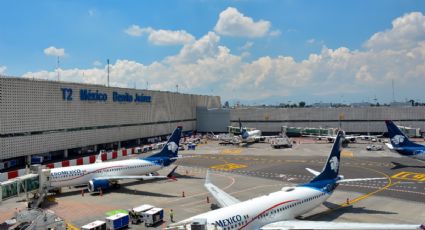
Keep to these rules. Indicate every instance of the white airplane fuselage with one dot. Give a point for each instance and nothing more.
(252, 136)
(82, 174)
(257, 212)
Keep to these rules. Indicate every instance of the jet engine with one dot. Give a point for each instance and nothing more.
(95, 185)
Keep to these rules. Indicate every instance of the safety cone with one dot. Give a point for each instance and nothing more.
(183, 194)
(82, 192)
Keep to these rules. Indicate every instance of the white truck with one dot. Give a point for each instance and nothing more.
(153, 216)
(117, 221)
(137, 213)
(280, 142)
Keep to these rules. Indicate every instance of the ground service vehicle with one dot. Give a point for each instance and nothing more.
(117, 221)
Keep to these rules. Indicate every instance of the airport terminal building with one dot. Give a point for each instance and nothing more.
(60, 118)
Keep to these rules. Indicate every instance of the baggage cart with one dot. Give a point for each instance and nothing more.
(153, 216)
(117, 221)
(137, 212)
(95, 225)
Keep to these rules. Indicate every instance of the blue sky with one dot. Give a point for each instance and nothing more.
(238, 61)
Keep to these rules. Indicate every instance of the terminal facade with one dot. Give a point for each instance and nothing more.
(58, 119)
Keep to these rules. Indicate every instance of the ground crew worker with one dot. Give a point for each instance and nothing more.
(171, 215)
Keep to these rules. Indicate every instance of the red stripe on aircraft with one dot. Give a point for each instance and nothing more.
(272, 207)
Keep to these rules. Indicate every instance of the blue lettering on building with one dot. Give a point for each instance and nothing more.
(66, 94)
(142, 98)
(96, 95)
(117, 97)
(229, 221)
(88, 95)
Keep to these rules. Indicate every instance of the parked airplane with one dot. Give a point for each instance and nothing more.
(249, 136)
(401, 143)
(279, 210)
(101, 175)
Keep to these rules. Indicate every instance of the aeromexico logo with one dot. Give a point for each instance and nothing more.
(229, 221)
(75, 172)
(172, 146)
(397, 139)
(334, 163)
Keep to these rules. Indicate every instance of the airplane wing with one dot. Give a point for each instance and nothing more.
(361, 179)
(312, 171)
(141, 177)
(223, 198)
(390, 146)
(300, 224)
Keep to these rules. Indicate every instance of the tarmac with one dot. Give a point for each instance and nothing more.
(247, 172)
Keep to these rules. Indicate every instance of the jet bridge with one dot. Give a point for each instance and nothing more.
(35, 182)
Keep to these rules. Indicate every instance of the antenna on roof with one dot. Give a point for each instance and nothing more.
(392, 83)
(107, 60)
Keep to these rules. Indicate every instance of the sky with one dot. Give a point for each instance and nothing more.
(254, 52)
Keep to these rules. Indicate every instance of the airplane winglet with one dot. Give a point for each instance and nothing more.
(99, 157)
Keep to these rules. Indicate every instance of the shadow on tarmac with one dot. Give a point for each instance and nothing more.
(334, 211)
(122, 188)
(184, 176)
(400, 166)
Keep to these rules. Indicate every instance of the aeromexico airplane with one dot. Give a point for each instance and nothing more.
(401, 143)
(249, 136)
(278, 210)
(103, 174)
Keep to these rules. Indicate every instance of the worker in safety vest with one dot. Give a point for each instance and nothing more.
(171, 215)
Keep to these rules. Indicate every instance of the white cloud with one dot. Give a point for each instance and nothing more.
(204, 66)
(405, 33)
(311, 41)
(233, 23)
(275, 33)
(247, 45)
(97, 63)
(161, 37)
(3, 69)
(53, 51)
(134, 30)
(169, 37)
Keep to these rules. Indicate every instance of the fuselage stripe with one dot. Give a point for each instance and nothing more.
(274, 206)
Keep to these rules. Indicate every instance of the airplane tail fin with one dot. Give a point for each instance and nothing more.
(331, 169)
(397, 137)
(244, 134)
(171, 149)
(240, 126)
(99, 157)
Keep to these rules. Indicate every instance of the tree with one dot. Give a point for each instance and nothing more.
(302, 104)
